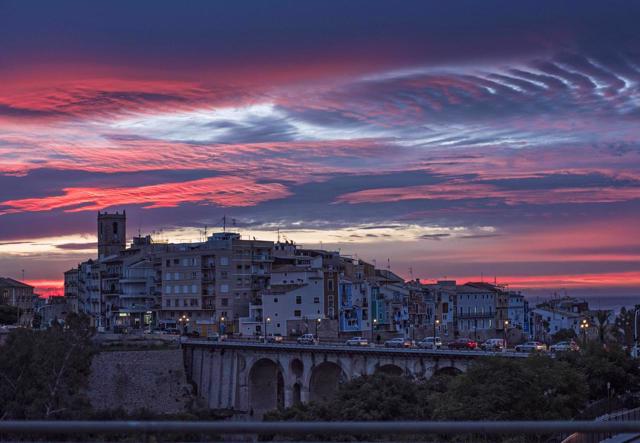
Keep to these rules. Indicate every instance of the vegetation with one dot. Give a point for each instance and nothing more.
(42, 372)
(535, 388)
(8, 315)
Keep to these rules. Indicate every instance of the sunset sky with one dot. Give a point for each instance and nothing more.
(450, 138)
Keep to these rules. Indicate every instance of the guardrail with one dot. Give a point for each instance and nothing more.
(323, 428)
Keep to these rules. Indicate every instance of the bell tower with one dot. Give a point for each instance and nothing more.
(112, 233)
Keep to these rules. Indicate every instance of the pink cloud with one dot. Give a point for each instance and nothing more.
(222, 191)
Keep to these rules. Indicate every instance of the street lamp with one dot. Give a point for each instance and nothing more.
(184, 320)
(374, 324)
(317, 324)
(506, 335)
(436, 322)
(266, 320)
(221, 325)
(584, 325)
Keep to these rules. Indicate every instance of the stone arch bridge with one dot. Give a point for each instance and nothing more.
(252, 378)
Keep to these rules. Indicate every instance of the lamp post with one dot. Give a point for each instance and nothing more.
(184, 320)
(266, 320)
(436, 323)
(317, 324)
(374, 323)
(221, 325)
(506, 334)
(584, 325)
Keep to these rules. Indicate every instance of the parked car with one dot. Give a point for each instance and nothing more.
(214, 337)
(357, 341)
(192, 334)
(274, 338)
(565, 346)
(430, 343)
(398, 342)
(172, 331)
(306, 339)
(531, 346)
(493, 344)
(463, 344)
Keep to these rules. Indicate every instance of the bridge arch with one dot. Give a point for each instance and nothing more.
(324, 381)
(266, 387)
(448, 370)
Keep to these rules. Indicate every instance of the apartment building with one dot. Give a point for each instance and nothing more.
(20, 295)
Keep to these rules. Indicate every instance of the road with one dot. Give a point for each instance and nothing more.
(292, 346)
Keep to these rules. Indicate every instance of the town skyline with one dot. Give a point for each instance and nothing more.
(444, 139)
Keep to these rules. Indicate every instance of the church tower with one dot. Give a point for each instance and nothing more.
(112, 233)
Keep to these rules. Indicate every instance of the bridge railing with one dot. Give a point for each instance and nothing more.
(392, 429)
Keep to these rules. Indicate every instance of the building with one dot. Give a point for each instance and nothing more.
(476, 311)
(20, 295)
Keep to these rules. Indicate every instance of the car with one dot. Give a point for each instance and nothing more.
(463, 344)
(172, 331)
(274, 338)
(531, 346)
(430, 343)
(192, 334)
(306, 339)
(214, 337)
(564, 346)
(493, 344)
(398, 342)
(357, 341)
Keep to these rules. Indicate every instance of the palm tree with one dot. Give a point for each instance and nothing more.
(602, 318)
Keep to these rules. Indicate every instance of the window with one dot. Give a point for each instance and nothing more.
(224, 288)
(298, 300)
(167, 290)
(194, 275)
(275, 300)
(115, 227)
(296, 313)
(176, 276)
(194, 289)
(176, 302)
(224, 302)
(330, 285)
(224, 261)
(224, 274)
(316, 299)
(176, 261)
(167, 276)
(184, 302)
(168, 263)
(167, 303)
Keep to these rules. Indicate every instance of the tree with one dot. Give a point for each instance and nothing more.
(624, 326)
(8, 315)
(372, 397)
(42, 372)
(535, 388)
(605, 364)
(602, 323)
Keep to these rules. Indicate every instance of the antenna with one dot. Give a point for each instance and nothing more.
(205, 232)
(411, 272)
(224, 223)
(23, 275)
(388, 264)
(278, 235)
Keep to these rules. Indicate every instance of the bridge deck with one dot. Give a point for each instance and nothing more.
(341, 348)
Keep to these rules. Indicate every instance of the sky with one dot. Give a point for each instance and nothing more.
(461, 139)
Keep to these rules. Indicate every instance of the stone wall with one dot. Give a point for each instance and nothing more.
(132, 380)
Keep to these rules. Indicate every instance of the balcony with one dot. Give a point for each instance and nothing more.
(473, 315)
